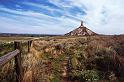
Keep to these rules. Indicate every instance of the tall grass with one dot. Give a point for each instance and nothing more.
(7, 71)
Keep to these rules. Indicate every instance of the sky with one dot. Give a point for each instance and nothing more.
(61, 16)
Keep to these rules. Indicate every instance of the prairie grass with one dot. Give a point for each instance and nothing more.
(80, 57)
(74, 59)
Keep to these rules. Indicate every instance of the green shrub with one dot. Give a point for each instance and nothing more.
(90, 75)
(55, 79)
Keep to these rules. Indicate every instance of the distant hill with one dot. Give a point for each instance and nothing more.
(81, 31)
(25, 35)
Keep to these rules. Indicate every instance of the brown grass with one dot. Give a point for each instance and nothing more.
(48, 57)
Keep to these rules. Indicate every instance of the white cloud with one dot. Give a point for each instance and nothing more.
(34, 22)
(50, 9)
(102, 16)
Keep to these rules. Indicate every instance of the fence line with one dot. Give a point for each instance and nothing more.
(4, 59)
(16, 54)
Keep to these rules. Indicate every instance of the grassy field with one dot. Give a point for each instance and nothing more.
(74, 59)
(7, 43)
(6, 39)
(7, 71)
(87, 58)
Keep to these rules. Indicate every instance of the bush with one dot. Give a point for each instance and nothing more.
(90, 75)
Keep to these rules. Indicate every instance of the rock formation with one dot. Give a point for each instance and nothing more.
(82, 30)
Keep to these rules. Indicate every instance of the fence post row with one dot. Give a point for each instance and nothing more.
(18, 59)
(18, 63)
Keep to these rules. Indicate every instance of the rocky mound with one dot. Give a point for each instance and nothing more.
(82, 30)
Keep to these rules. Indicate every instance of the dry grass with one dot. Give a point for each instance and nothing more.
(87, 46)
(6, 39)
(49, 56)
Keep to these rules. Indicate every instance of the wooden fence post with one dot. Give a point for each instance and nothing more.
(29, 45)
(30, 42)
(18, 63)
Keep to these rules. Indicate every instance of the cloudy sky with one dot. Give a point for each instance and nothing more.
(61, 16)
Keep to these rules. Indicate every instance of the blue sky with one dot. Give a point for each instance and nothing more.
(61, 16)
